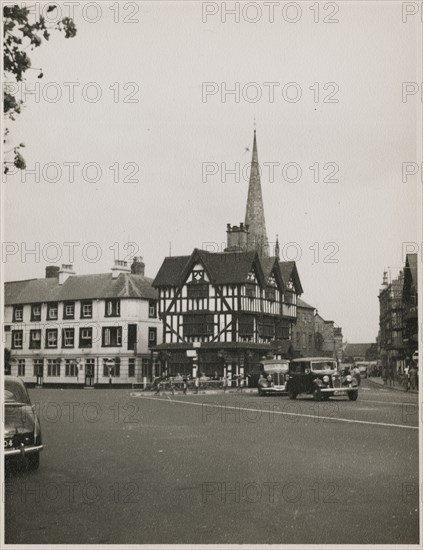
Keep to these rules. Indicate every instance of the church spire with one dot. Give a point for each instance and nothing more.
(254, 216)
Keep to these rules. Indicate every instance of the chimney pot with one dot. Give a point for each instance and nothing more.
(52, 272)
(138, 266)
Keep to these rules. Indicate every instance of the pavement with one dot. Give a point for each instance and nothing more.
(119, 468)
(397, 387)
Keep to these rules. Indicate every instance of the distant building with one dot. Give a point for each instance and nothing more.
(88, 330)
(392, 347)
(328, 338)
(358, 352)
(410, 307)
(304, 332)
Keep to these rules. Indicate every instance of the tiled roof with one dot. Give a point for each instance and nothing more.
(289, 269)
(79, 287)
(222, 268)
(305, 305)
(170, 271)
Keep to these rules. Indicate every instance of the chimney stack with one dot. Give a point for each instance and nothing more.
(65, 271)
(120, 267)
(237, 238)
(138, 266)
(52, 272)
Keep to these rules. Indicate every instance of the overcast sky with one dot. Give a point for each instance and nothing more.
(175, 132)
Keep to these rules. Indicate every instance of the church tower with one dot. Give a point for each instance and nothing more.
(254, 216)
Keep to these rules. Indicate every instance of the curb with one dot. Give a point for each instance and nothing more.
(381, 385)
(200, 392)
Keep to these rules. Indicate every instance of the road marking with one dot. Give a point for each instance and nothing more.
(331, 418)
(389, 402)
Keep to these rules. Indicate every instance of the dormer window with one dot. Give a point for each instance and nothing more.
(69, 310)
(17, 313)
(36, 312)
(112, 308)
(52, 311)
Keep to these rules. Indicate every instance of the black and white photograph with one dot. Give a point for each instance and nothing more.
(211, 247)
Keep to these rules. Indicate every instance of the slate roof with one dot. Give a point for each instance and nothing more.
(79, 287)
(356, 350)
(223, 268)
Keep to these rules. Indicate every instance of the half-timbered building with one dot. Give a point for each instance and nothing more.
(222, 312)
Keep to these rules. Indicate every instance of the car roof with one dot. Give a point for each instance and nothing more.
(313, 359)
(273, 361)
(16, 379)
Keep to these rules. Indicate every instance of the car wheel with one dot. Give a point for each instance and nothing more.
(292, 395)
(317, 394)
(260, 392)
(33, 461)
(326, 397)
(352, 395)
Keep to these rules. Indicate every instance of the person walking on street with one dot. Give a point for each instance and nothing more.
(385, 375)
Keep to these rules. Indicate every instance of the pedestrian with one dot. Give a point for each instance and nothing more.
(391, 375)
(412, 373)
(225, 383)
(356, 374)
(385, 375)
(197, 384)
(185, 385)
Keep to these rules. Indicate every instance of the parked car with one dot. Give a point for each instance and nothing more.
(22, 430)
(320, 377)
(273, 377)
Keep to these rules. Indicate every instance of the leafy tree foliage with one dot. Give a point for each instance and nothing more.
(19, 35)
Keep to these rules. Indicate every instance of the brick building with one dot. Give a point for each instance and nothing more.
(392, 347)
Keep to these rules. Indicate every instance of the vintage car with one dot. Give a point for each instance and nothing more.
(22, 431)
(363, 368)
(320, 377)
(273, 377)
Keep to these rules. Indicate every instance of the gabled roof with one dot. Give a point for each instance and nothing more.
(289, 270)
(79, 287)
(171, 270)
(221, 268)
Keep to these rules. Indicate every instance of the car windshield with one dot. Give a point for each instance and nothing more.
(323, 365)
(14, 392)
(275, 368)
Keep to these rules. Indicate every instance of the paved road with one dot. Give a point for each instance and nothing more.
(219, 469)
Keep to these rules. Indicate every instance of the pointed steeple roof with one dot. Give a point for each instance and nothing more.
(254, 216)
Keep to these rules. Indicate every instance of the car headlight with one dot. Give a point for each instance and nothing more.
(326, 379)
(349, 378)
